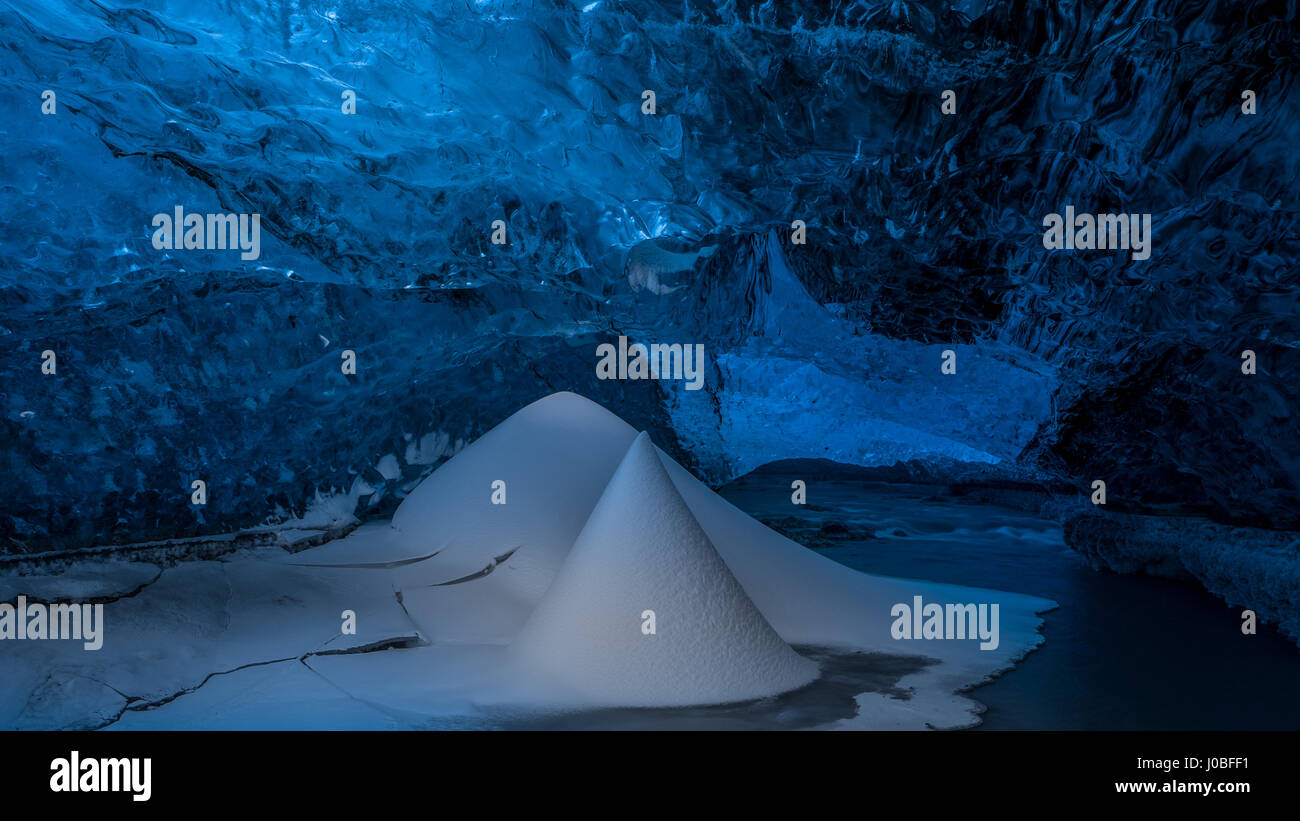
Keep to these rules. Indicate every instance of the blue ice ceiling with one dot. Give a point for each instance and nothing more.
(924, 235)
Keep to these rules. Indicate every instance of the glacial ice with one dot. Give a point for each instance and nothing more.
(923, 236)
(1246, 567)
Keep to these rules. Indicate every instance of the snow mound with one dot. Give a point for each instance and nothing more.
(469, 572)
(554, 456)
(643, 555)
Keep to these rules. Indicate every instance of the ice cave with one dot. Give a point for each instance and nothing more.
(624, 364)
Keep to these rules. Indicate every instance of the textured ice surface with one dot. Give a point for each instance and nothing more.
(81, 582)
(195, 621)
(797, 386)
(923, 236)
(1246, 567)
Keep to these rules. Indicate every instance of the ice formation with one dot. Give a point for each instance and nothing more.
(924, 234)
(924, 237)
(1244, 566)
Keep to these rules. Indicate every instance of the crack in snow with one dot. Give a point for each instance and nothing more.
(397, 594)
(371, 565)
(496, 562)
(133, 702)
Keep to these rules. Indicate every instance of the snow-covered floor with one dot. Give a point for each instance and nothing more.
(470, 613)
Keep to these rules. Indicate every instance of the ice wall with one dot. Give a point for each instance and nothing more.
(923, 235)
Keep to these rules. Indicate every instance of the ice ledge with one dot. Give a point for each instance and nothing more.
(1245, 566)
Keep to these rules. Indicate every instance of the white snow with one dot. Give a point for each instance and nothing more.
(430, 448)
(80, 582)
(532, 604)
(388, 467)
(197, 618)
(555, 457)
(642, 555)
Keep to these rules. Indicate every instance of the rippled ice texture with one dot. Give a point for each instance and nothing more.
(924, 235)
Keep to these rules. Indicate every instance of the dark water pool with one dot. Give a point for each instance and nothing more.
(1122, 652)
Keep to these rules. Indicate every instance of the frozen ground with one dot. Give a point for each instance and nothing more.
(470, 613)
